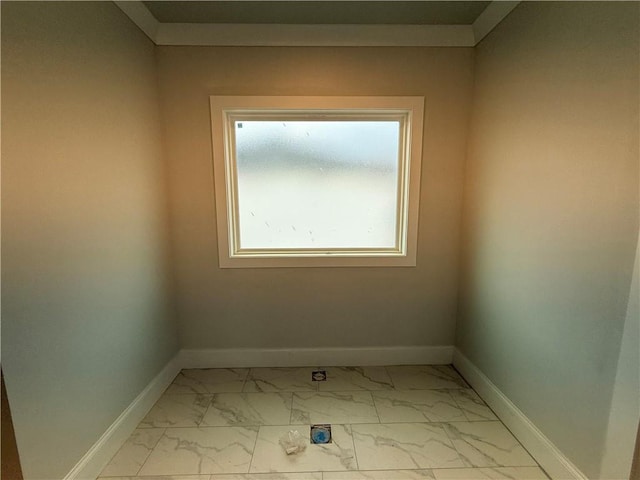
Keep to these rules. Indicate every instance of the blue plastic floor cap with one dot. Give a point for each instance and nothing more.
(320, 435)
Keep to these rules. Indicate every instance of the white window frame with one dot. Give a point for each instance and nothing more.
(226, 109)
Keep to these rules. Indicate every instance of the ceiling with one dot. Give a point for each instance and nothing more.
(333, 23)
(318, 12)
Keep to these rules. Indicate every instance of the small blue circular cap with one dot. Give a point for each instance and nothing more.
(320, 435)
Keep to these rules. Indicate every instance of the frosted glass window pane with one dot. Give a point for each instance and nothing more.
(317, 184)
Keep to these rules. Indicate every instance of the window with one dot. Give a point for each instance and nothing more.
(317, 181)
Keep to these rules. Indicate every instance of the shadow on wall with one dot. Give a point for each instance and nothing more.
(11, 469)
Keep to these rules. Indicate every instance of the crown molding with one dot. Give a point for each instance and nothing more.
(491, 16)
(209, 34)
(315, 35)
(141, 16)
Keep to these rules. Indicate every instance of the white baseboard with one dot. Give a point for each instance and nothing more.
(555, 463)
(299, 357)
(540, 447)
(92, 463)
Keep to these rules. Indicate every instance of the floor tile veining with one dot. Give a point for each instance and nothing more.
(333, 407)
(228, 409)
(211, 380)
(387, 423)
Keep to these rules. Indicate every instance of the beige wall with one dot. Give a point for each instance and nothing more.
(314, 307)
(551, 213)
(549, 237)
(85, 317)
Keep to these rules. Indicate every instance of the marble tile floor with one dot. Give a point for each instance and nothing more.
(388, 423)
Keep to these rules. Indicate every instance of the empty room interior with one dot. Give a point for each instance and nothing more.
(405, 231)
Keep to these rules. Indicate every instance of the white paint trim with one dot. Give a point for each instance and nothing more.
(315, 35)
(210, 34)
(490, 17)
(92, 463)
(296, 357)
(141, 16)
(556, 464)
(407, 111)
